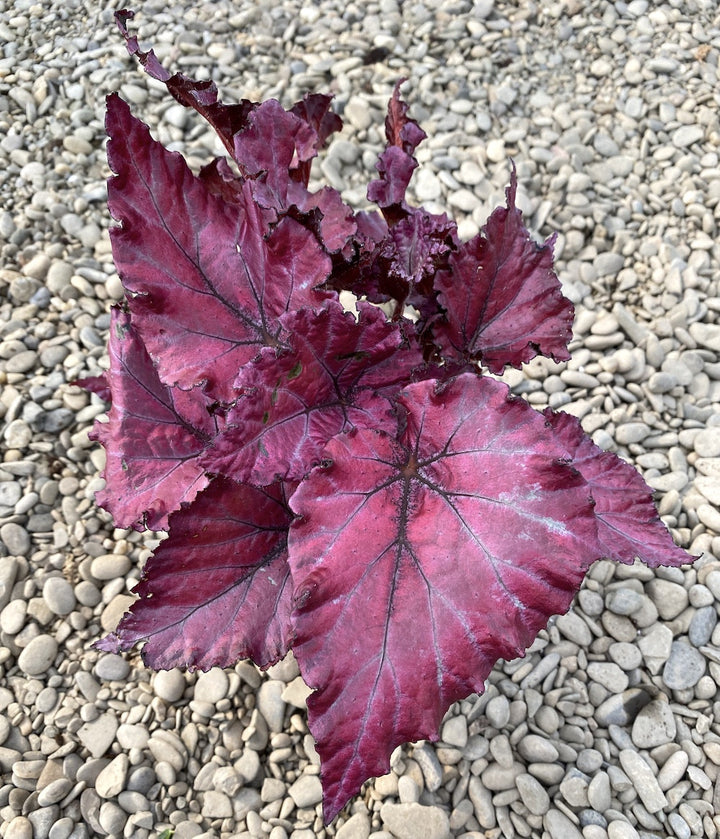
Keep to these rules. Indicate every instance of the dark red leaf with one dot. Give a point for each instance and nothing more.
(504, 303)
(314, 109)
(218, 588)
(628, 525)
(206, 286)
(202, 96)
(397, 162)
(417, 563)
(335, 376)
(99, 385)
(152, 438)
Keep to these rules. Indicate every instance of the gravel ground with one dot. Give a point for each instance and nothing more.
(610, 726)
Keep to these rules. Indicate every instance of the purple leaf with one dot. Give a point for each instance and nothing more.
(202, 96)
(397, 162)
(152, 438)
(408, 588)
(206, 285)
(99, 385)
(335, 376)
(628, 525)
(218, 588)
(504, 303)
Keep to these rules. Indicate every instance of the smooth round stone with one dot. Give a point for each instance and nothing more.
(169, 685)
(627, 656)
(654, 725)
(12, 617)
(54, 792)
(620, 829)
(18, 434)
(497, 712)
(684, 667)
(15, 538)
(10, 492)
(88, 593)
(707, 441)
(533, 794)
(702, 625)
(111, 779)
(410, 821)
(559, 826)
(19, 828)
(59, 596)
(537, 749)
(38, 655)
(211, 686)
(110, 566)
(112, 668)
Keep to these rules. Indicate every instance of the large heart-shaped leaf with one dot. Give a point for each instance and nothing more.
(218, 588)
(152, 438)
(407, 586)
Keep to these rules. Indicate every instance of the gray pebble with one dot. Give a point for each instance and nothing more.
(654, 725)
(643, 779)
(497, 712)
(112, 668)
(110, 566)
(702, 625)
(111, 780)
(38, 655)
(410, 821)
(211, 686)
(684, 667)
(15, 538)
(271, 705)
(534, 796)
(559, 826)
(59, 595)
(306, 791)
(54, 792)
(10, 492)
(430, 766)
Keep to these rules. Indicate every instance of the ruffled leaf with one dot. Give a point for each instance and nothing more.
(503, 302)
(628, 525)
(397, 163)
(218, 589)
(206, 285)
(335, 376)
(152, 439)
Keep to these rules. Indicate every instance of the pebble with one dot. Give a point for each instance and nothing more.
(559, 826)
(533, 794)
(211, 686)
(59, 596)
(643, 779)
(169, 685)
(654, 725)
(111, 779)
(684, 667)
(38, 655)
(306, 791)
(415, 821)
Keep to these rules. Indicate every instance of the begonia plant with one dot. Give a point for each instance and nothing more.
(354, 487)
